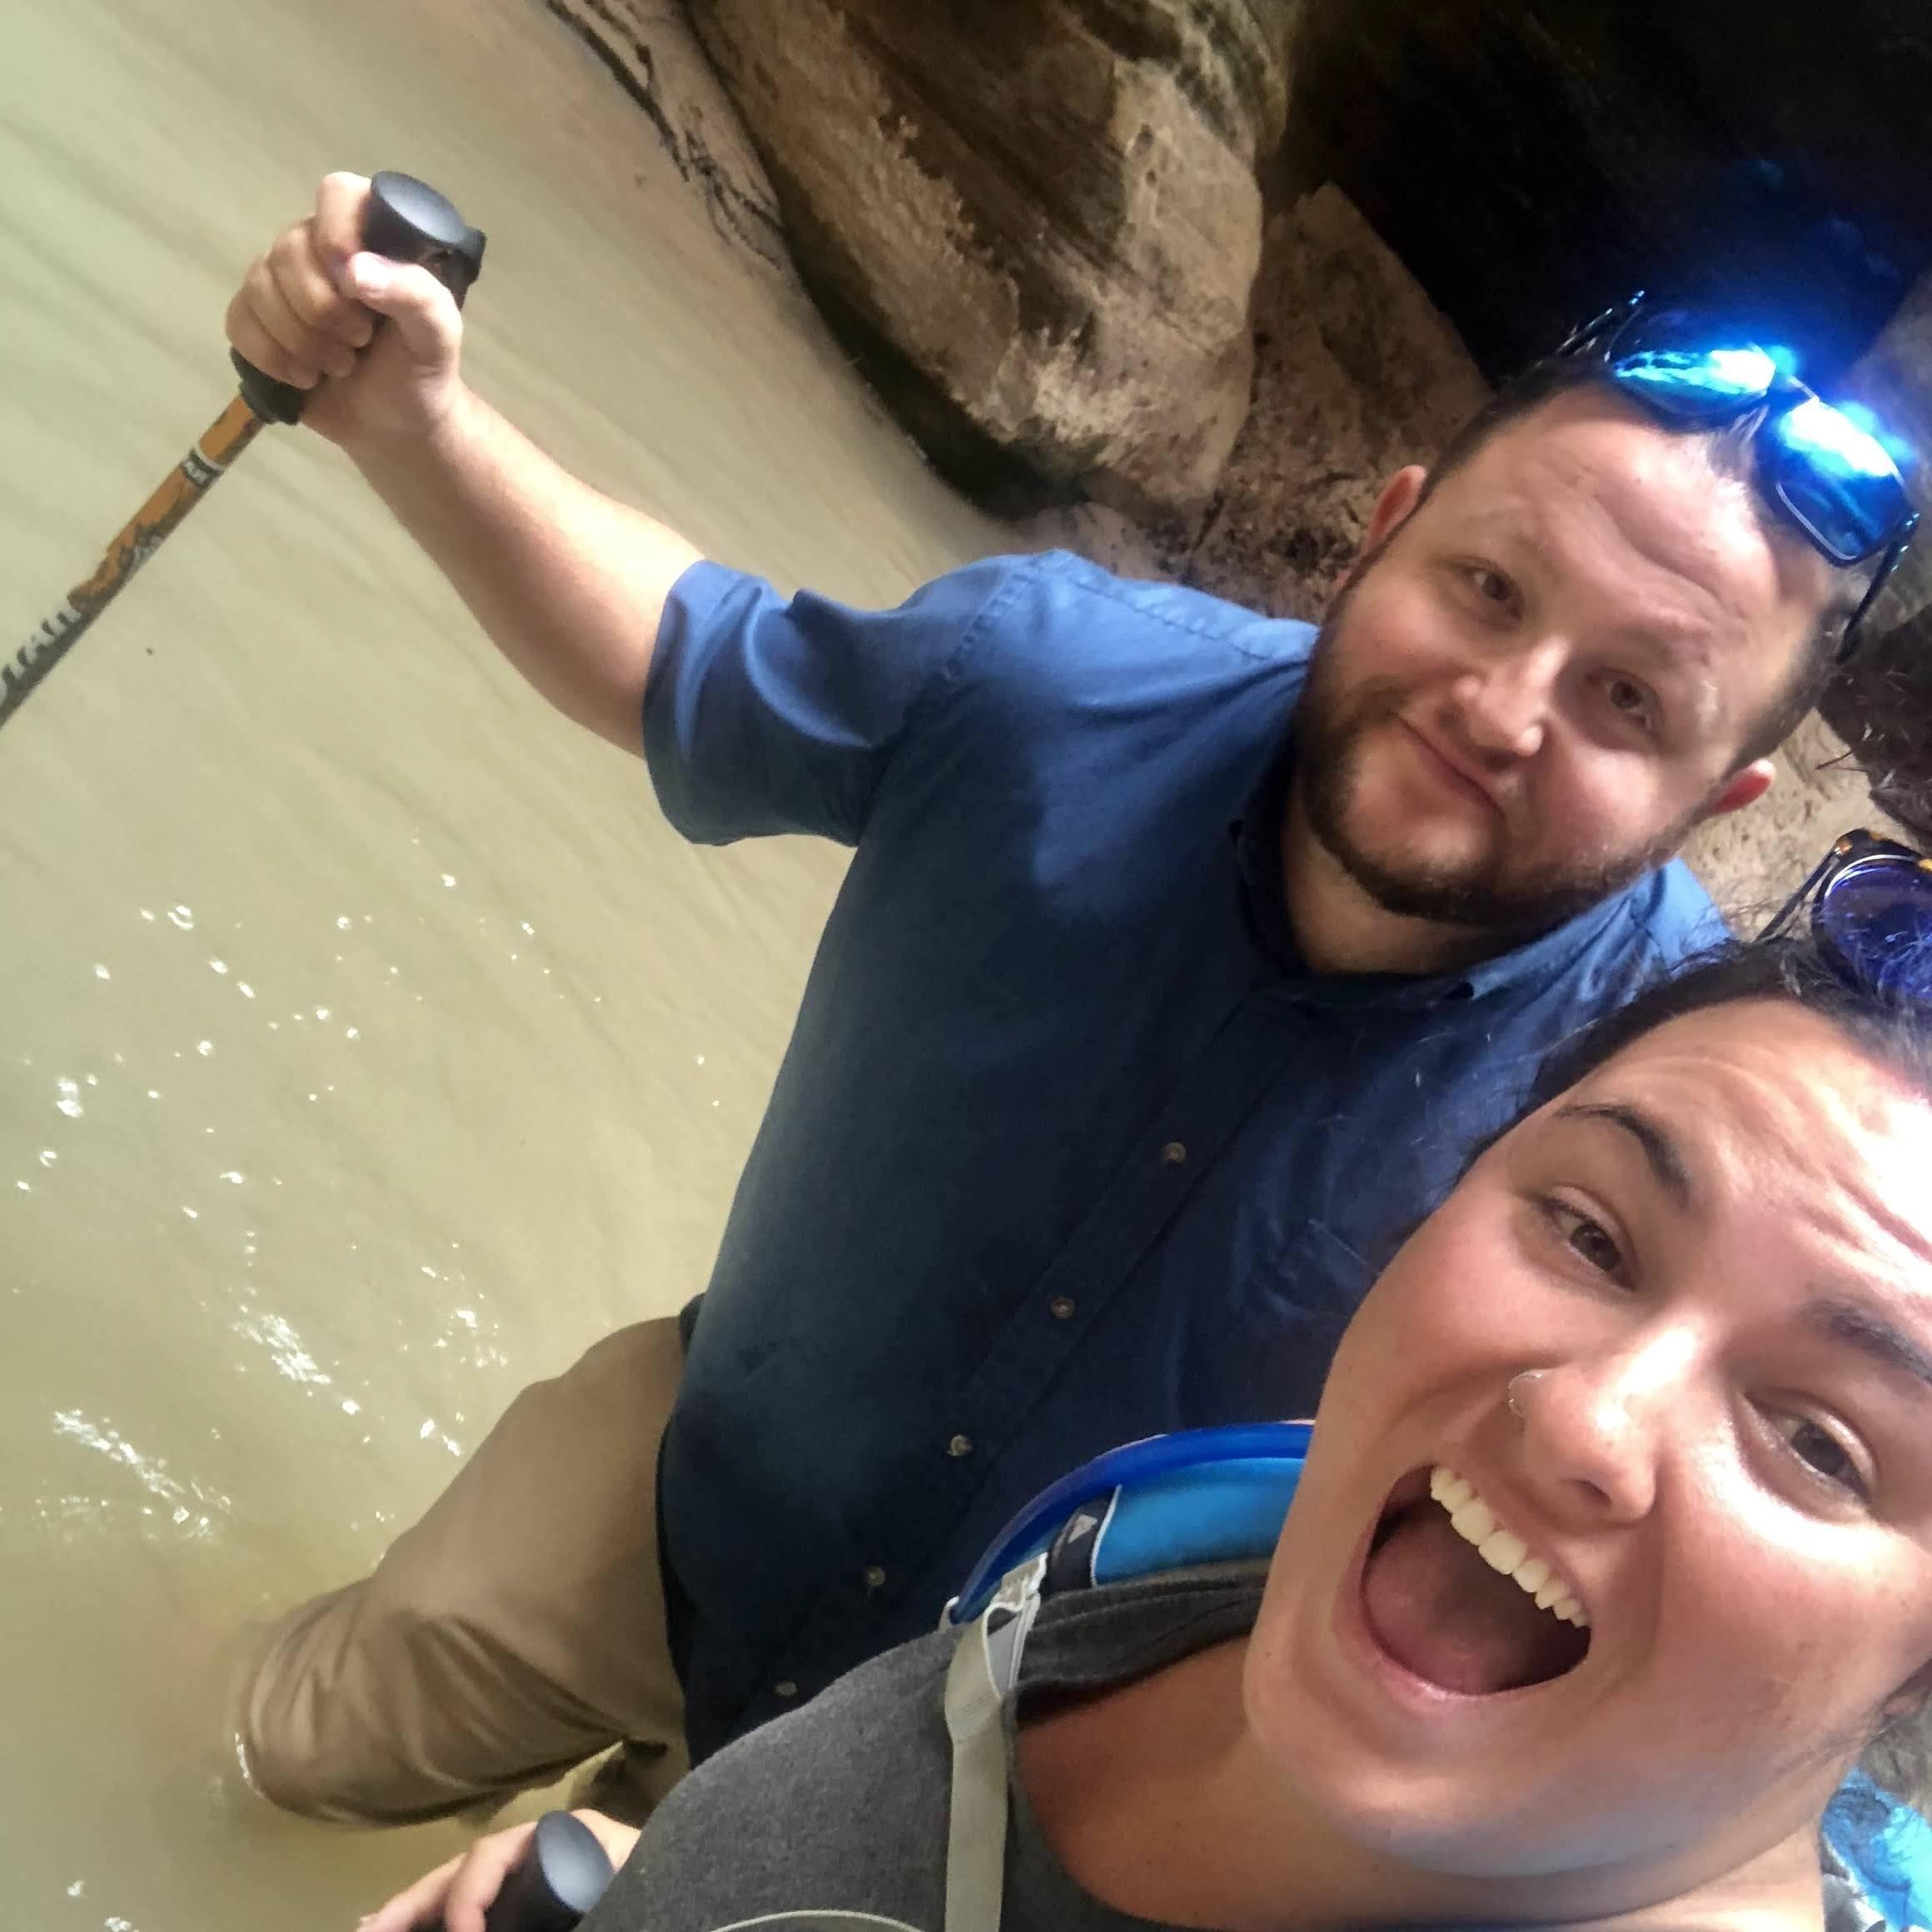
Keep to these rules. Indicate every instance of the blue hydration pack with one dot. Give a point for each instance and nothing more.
(1219, 1495)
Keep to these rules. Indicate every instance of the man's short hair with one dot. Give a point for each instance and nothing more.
(1732, 453)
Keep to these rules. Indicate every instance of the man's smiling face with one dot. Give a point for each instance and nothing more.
(1545, 674)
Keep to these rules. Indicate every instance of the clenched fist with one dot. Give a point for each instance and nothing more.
(306, 314)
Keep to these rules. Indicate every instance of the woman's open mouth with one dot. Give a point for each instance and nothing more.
(1459, 1599)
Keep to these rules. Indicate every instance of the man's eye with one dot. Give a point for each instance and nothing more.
(1629, 700)
(1821, 1452)
(1590, 1240)
(1492, 586)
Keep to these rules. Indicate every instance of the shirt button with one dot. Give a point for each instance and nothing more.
(960, 1445)
(785, 1688)
(875, 1577)
(1061, 1307)
(1173, 1153)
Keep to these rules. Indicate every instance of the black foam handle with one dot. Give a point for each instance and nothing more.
(562, 1874)
(407, 220)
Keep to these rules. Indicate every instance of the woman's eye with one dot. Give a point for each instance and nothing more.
(1820, 1451)
(1590, 1240)
(1491, 586)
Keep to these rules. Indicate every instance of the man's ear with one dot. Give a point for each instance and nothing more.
(1399, 497)
(1743, 787)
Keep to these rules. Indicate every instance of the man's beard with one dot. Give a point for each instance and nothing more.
(1485, 893)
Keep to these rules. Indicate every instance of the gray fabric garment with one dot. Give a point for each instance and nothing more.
(842, 1806)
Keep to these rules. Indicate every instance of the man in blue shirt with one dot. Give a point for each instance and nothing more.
(1181, 955)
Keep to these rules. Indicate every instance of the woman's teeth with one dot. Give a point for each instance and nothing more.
(1473, 1520)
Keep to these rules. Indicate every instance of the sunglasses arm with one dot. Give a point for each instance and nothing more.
(1782, 918)
(1895, 551)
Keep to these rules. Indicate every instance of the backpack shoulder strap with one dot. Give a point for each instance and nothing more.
(981, 1677)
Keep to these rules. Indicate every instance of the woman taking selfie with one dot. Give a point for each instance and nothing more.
(1611, 1559)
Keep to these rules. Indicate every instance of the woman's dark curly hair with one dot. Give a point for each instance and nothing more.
(1893, 1031)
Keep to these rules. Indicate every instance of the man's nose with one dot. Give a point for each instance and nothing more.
(1505, 704)
(1596, 1428)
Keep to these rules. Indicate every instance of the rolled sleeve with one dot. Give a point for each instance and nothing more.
(763, 715)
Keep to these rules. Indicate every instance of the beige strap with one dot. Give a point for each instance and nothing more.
(980, 1678)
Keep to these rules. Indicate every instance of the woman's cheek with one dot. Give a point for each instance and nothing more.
(1469, 1274)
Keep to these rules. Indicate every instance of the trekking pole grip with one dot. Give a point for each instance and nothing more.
(562, 1874)
(408, 222)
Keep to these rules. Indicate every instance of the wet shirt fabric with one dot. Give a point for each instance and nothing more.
(1068, 1146)
(843, 1806)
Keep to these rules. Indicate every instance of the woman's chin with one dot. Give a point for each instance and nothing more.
(1446, 1778)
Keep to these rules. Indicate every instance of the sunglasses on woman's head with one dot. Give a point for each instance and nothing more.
(1827, 473)
(1871, 915)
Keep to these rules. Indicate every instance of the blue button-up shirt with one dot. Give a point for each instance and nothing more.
(1068, 1146)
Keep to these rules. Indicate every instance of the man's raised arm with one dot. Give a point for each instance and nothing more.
(571, 585)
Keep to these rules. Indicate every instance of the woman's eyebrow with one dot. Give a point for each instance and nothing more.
(1870, 1333)
(1666, 1159)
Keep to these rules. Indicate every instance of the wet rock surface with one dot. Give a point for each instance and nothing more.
(648, 48)
(1035, 226)
(1357, 376)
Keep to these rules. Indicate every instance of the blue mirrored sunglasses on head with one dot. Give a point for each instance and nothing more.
(1828, 474)
(1871, 915)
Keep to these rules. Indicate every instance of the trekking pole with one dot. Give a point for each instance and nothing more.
(407, 222)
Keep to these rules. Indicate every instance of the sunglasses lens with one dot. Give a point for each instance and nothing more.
(1877, 916)
(1696, 383)
(1837, 479)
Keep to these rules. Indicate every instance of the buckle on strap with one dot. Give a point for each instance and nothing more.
(979, 1679)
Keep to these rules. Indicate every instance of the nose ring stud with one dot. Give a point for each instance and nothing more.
(1517, 1384)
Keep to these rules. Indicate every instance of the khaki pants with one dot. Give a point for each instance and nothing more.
(517, 1629)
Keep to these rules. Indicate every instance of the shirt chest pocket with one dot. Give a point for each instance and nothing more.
(1292, 1300)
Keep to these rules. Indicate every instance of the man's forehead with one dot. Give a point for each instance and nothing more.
(1608, 475)
(1589, 493)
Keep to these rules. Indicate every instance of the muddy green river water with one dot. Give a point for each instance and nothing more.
(369, 1045)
